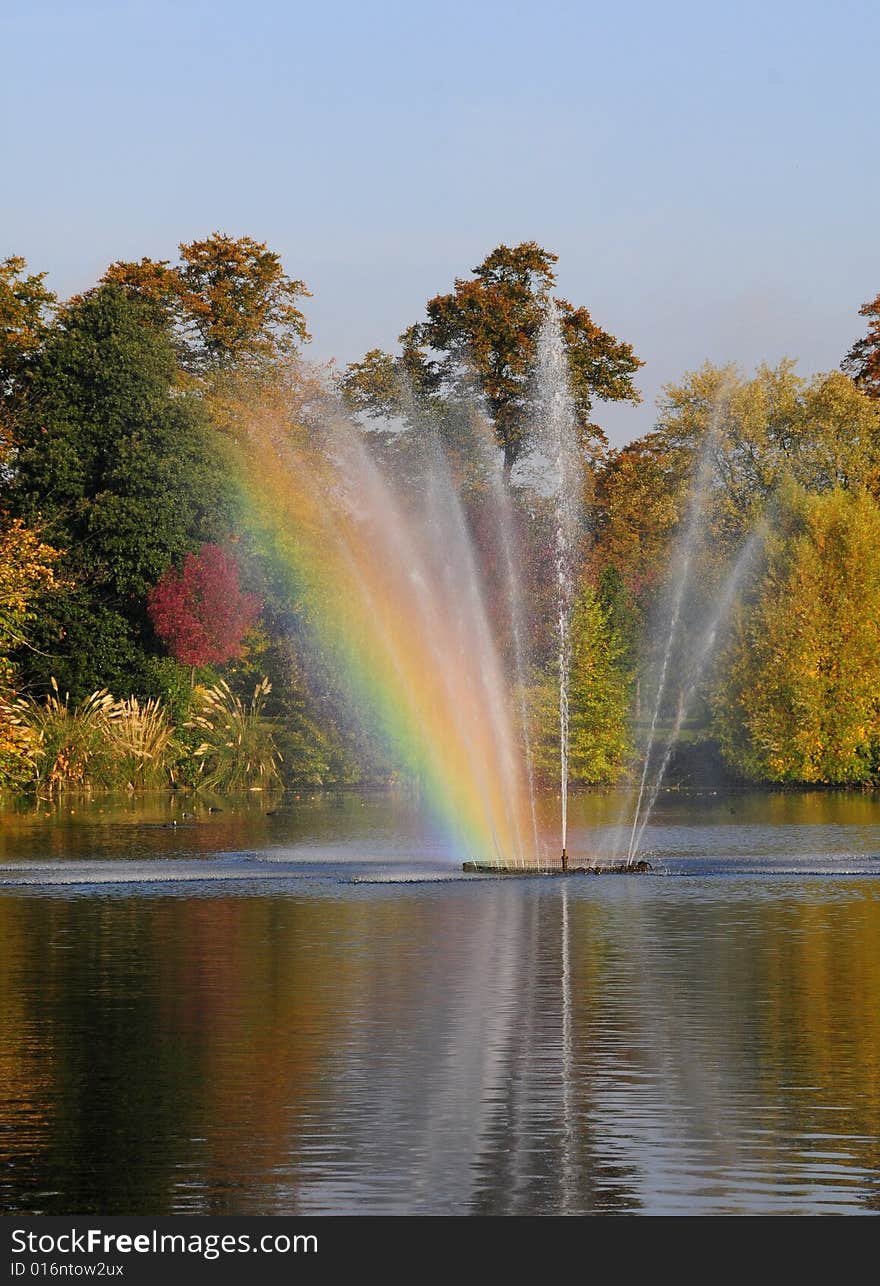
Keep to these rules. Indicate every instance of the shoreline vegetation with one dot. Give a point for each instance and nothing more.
(149, 639)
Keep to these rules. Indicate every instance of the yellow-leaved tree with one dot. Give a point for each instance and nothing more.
(798, 693)
(26, 572)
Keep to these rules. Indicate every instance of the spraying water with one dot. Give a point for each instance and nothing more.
(382, 563)
(682, 558)
(555, 459)
(372, 533)
(701, 656)
(503, 517)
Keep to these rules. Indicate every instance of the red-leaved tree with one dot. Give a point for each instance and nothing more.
(201, 613)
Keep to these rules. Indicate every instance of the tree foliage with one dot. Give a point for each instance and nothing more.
(229, 300)
(751, 433)
(639, 496)
(862, 361)
(121, 470)
(599, 736)
(26, 308)
(482, 337)
(798, 694)
(201, 612)
(822, 432)
(27, 574)
(121, 414)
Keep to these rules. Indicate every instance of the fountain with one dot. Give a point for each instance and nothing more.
(370, 528)
(552, 466)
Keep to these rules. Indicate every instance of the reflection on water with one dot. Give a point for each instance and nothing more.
(614, 1044)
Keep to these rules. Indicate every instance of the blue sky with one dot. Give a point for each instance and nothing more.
(707, 172)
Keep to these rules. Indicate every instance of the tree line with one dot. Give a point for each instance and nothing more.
(128, 565)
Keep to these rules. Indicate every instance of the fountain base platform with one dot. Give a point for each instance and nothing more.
(641, 867)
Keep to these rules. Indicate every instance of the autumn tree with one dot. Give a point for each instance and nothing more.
(748, 434)
(121, 470)
(798, 693)
(482, 337)
(822, 432)
(26, 561)
(27, 576)
(26, 307)
(734, 439)
(27, 573)
(638, 499)
(201, 613)
(862, 361)
(229, 300)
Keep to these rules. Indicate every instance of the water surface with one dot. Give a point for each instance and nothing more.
(256, 1020)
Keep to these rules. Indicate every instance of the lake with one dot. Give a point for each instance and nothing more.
(305, 1008)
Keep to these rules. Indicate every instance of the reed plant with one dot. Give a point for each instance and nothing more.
(19, 750)
(70, 745)
(141, 743)
(56, 746)
(237, 749)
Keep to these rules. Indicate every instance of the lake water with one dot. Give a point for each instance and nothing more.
(298, 1013)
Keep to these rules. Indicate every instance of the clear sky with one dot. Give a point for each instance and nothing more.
(707, 171)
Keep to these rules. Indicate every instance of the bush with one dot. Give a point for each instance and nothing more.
(171, 683)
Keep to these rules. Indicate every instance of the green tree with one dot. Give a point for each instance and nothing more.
(229, 300)
(599, 690)
(486, 330)
(798, 697)
(862, 361)
(624, 617)
(121, 470)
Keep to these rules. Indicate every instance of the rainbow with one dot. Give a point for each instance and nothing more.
(391, 593)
